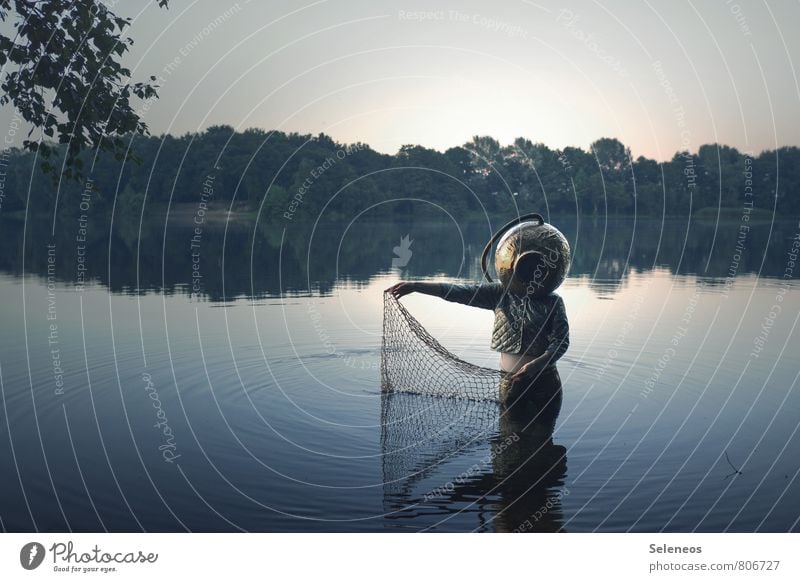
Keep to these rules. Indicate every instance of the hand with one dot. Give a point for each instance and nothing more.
(529, 370)
(398, 290)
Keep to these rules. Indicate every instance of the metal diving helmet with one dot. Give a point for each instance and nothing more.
(532, 257)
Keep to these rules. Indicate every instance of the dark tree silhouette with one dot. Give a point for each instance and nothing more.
(62, 72)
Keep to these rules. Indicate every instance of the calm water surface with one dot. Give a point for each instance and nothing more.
(133, 403)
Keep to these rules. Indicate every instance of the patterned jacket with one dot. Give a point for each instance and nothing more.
(523, 324)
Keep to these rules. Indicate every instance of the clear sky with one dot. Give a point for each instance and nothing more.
(658, 75)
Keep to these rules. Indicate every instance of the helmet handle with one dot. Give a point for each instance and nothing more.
(501, 232)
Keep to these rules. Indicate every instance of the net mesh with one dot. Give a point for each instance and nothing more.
(425, 436)
(413, 361)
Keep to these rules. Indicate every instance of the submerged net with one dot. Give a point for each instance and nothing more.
(425, 439)
(413, 361)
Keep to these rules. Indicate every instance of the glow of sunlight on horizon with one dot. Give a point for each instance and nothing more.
(367, 72)
(443, 113)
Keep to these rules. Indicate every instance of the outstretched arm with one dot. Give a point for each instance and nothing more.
(485, 295)
(403, 288)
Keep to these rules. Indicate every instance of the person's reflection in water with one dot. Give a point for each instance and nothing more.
(531, 470)
(516, 486)
(526, 481)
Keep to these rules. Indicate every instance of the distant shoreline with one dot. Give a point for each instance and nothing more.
(183, 214)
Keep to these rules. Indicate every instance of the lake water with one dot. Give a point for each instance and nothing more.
(145, 387)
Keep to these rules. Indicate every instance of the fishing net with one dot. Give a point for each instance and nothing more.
(447, 445)
(436, 410)
(413, 361)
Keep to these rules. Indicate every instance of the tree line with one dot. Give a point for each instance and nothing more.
(292, 177)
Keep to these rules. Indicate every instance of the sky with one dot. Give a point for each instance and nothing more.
(660, 76)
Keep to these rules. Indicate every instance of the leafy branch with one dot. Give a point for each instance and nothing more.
(62, 71)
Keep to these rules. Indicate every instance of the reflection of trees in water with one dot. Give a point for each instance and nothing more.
(603, 251)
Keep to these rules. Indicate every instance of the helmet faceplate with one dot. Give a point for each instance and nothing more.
(527, 237)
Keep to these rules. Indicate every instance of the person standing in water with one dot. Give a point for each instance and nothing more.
(531, 332)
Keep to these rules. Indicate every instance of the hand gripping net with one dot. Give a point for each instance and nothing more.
(413, 361)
